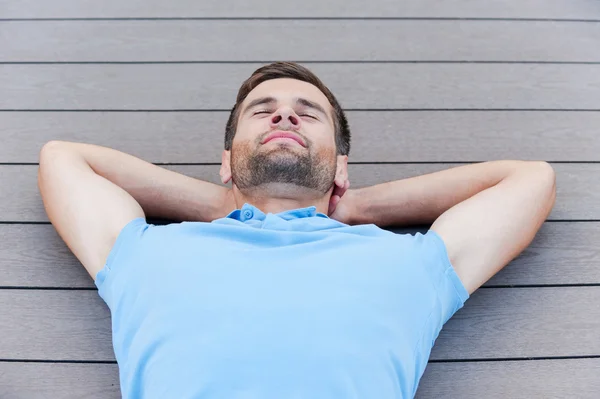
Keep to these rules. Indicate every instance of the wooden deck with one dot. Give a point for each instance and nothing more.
(428, 84)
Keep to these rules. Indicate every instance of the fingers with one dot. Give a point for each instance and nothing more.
(336, 196)
(344, 188)
(341, 190)
(332, 204)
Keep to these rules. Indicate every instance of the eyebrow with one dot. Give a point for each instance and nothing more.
(270, 100)
(259, 101)
(310, 104)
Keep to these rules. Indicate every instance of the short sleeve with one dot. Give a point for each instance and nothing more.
(122, 251)
(451, 290)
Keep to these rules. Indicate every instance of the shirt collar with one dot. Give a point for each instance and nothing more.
(249, 211)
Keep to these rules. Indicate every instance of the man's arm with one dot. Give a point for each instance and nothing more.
(90, 193)
(486, 213)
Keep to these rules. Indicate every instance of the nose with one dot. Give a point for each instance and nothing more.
(285, 119)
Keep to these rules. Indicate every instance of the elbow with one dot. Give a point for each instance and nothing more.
(51, 157)
(48, 150)
(51, 147)
(53, 150)
(546, 173)
(546, 178)
(47, 154)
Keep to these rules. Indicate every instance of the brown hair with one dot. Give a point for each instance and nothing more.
(290, 70)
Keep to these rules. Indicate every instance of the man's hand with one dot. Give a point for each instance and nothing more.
(486, 213)
(90, 193)
(339, 209)
(162, 194)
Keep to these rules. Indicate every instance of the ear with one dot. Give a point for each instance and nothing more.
(225, 171)
(341, 173)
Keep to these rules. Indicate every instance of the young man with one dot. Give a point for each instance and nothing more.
(284, 286)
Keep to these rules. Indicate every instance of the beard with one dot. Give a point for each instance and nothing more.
(255, 167)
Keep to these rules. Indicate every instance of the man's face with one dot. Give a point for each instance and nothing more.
(285, 134)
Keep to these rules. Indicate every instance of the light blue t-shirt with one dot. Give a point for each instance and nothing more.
(287, 305)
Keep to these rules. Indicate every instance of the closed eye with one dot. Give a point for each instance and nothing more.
(262, 111)
(310, 116)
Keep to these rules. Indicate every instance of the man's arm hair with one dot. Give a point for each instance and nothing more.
(486, 213)
(91, 192)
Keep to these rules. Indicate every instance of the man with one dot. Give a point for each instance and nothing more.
(284, 286)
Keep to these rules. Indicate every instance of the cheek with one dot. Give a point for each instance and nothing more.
(240, 150)
(250, 129)
(324, 145)
(324, 137)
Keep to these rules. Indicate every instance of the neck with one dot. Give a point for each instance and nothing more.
(280, 197)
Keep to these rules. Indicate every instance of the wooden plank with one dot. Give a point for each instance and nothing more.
(54, 325)
(389, 40)
(495, 323)
(573, 378)
(579, 9)
(390, 136)
(357, 86)
(521, 323)
(561, 253)
(59, 381)
(578, 196)
(565, 378)
(35, 256)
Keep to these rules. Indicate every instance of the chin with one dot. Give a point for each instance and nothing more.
(281, 150)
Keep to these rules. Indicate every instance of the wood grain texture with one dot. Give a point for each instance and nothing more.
(522, 322)
(548, 379)
(495, 323)
(35, 256)
(578, 187)
(389, 40)
(581, 9)
(54, 325)
(387, 136)
(357, 86)
(59, 381)
(561, 253)
(552, 379)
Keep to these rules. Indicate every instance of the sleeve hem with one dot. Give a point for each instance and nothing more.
(121, 238)
(450, 272)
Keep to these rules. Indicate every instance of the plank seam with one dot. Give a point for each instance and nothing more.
(349, 162)
(497, 286)
(57, 361)
(30, 288)
(576, 20)
(26, 222)
(302, 62)
(345, 109)
(513, 359)
(475, 360)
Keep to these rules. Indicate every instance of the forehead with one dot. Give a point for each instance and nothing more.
(285, 89)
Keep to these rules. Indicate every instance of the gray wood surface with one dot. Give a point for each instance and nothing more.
(578, 193)
(573, 378)
(357, 86)
(548, 379)
(151, 40)
(561, 253)
(387, 136)
(495, 322)
(58, 381)
(578, 9)
(488, 101)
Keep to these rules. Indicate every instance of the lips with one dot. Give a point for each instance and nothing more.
(282, 134)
